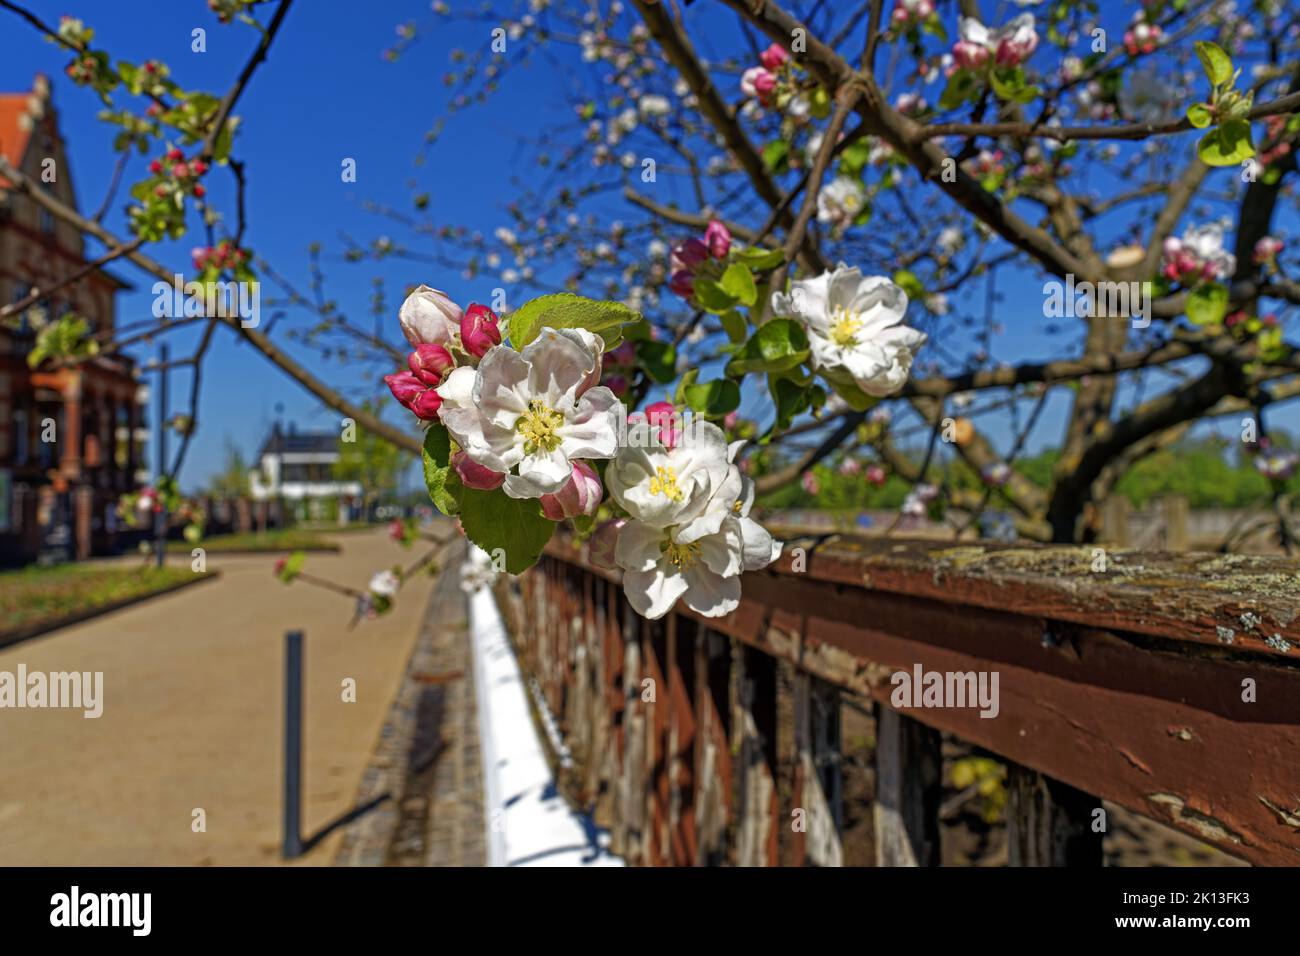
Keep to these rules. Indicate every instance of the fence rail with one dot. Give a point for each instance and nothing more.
(1168, 684)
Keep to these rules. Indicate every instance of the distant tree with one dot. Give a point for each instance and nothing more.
(371, 460)
(232, 480)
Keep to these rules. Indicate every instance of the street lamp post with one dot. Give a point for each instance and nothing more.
(160, 516)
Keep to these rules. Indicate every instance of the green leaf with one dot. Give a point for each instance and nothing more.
(776, 154)
(759, 259)
(789, 398)
(292, 566)
(1228, 145)
(777, 346)
(962, 86)
(847, 389)
(734, 324)
(1208, 304)
(564, 310)
(659, 359)
(715, 398)
(1216, 63)
(512, 528)
(712, 297)
(738, 283)
(906, 280)
(439, 477)
(1199, 115)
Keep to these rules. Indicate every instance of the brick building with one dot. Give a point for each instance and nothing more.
(57, 497)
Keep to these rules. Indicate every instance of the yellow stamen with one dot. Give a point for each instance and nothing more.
(540, 427)
(738, 506)
(665, 483)
(844, 326)
(681, 556)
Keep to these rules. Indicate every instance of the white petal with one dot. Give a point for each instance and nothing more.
(652, 594)
(592, 430)
(721, 552)
(760, 549)
(709, 594)
(542, 473)
(557, 366)
(639, 546)
(501, 389)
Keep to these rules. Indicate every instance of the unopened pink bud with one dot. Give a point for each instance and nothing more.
(404, 386)
(479, 330)
(603, 543)
(690, 253)
(718, 238)
(430, 364)
(474, 475)
(970, 56)
(426, 405)
(683, 283)
(580, 495)
(774, 57)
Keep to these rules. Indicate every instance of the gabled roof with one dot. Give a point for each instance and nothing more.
(316, 443)
(16, 119)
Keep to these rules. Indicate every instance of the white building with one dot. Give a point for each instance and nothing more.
(298, 467)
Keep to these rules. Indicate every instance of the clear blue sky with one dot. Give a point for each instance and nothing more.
(327, 93)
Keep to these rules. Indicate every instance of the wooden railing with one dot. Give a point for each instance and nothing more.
(1166, 684)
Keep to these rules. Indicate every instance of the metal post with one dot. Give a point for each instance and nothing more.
(292, 745)
(160, 517)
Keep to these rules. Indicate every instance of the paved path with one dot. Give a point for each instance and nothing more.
(192, 718)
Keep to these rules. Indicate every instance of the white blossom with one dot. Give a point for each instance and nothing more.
(531, 414)
(854, 326)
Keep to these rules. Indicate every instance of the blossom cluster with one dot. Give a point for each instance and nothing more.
(699, 256)
(1008, 46)
(1198, 256)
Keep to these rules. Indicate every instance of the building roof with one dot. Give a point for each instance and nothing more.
(17, 116)
(296, 442)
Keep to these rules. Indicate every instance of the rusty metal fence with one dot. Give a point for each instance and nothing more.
(1166, 684)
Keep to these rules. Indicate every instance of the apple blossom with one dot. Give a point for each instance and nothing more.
(840, 202)
(1198, 256)
(690, 535)
(757, 82)
(429, 317)
(1267, 248)
(532, 414)
(876, 475)
(1008, 46)
(854, 327)
(384, 584)
(580, 495)
(414, 394)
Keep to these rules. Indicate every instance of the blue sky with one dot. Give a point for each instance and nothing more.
(326, 93)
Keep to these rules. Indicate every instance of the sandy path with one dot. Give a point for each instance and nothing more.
(192, 718)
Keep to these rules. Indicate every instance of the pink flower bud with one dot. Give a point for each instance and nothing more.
(683, 283)
(690, 254)
(404, 386)
(774, 57)
(396, 530)
(180, 170)
(479, 330)
(430, 364)
(474, 475)
(876, 475)
(625, 354)
(580, 495)
(970, 56)
(663, 415)
(730, 420)
(603, 542)
(426, 405)
(718, 239)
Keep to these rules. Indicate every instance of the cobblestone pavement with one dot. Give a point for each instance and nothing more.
(421, 795)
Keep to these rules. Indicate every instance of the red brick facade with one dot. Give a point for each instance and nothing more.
(70, 437)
